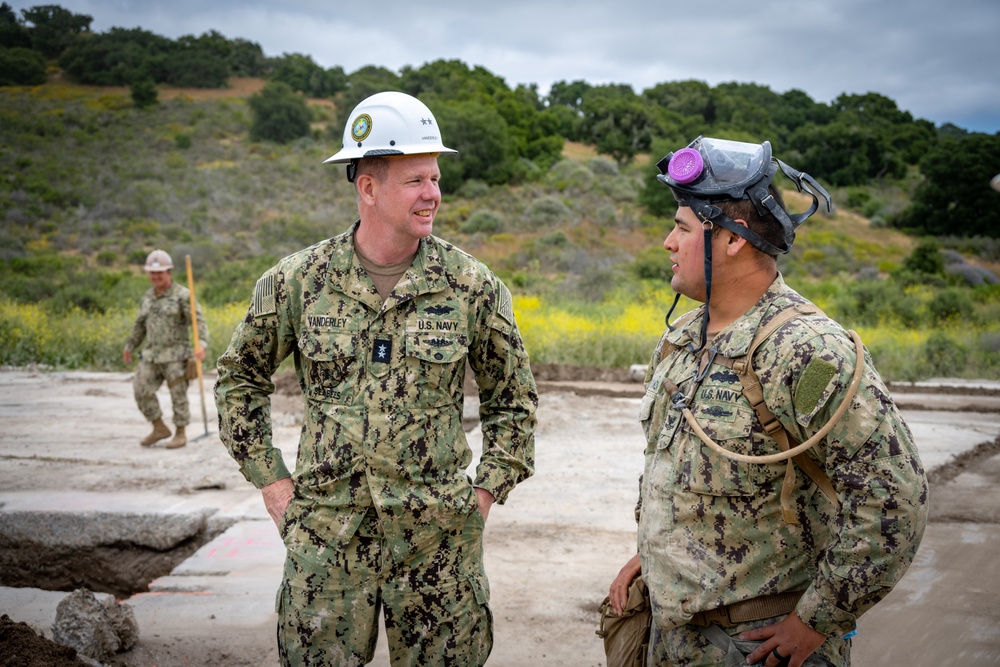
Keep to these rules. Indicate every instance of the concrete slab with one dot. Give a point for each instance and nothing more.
(232, 579)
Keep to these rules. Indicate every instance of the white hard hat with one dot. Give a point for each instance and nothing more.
(390, 123)
(158, 260)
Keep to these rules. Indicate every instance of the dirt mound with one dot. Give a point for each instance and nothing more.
(21, 646)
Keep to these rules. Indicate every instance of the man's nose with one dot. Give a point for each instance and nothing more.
(431, 190)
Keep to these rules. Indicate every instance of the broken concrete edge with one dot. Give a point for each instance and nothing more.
(160, 532)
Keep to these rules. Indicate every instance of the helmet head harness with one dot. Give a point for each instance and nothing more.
(388, 124)
(710, 171)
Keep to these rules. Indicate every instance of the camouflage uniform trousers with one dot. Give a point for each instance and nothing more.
(148, 378)
(435, 602)
(687, 645)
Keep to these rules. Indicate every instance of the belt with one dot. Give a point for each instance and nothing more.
(743, 611)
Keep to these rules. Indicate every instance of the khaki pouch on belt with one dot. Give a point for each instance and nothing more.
(626, 637)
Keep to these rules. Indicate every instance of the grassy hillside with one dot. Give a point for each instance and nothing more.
(92, 185)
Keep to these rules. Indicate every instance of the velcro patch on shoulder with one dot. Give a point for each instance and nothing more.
(503, 316)
(812, 384)
(264, 302)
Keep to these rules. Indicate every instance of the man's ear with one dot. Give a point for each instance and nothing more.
(735, 242)
(366, 185)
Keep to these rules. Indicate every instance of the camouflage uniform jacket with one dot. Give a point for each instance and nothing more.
(383, 389)
(164, 323)
(711, 530)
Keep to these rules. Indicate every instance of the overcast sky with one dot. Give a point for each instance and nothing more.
(937, 60)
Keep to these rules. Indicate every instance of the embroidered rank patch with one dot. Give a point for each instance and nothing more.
(263, 297)
(812, 384)
(381, 350)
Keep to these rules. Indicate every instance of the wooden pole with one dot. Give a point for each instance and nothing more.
(194, 328)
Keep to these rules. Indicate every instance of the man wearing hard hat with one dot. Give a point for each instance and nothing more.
(382, 515)
(164, 323)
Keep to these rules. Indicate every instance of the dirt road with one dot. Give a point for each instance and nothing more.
(69, 444)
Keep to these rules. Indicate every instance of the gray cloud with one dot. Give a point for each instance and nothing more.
(936, 61)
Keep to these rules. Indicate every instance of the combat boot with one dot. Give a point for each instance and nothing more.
(160, 431)
(179, 440)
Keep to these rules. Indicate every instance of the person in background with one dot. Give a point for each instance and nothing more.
(749, 556)
(164, 325)
(381, 516)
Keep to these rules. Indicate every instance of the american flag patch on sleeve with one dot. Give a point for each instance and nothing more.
(263, 296)
(505, 304)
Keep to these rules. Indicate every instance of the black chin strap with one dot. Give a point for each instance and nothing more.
(707, 226)
(677, 297)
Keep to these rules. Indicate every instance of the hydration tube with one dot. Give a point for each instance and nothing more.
(794, 451)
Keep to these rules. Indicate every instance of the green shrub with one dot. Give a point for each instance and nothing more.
(603, 167)
(926, 258)
(856, 198)
(484, 222)
(107, 257)
(474, 189)
(546, 211)
(144, 94)
(652, 264)
(571, 175)
(950, 305)
(232, 281)
(279, 114)
(557, 238)
(872, 208)
(944, 356)
(873, 302)
(21, 67)
(619, 188)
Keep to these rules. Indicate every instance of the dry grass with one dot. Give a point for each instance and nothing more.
(238, 87)
(242, 87)
(577, 151)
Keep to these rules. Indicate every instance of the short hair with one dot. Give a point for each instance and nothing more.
(767, 226)
(376, 167)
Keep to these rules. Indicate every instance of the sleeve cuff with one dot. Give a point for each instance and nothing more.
(824, 616)
(269, 468)
(492, 479)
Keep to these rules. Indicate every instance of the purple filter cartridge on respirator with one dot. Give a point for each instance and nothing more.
(685, 166)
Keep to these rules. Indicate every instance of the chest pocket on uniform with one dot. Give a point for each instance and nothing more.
(330, 364)
(731, 426)
(435, 365)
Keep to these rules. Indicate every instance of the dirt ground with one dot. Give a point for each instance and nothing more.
(551, 551)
